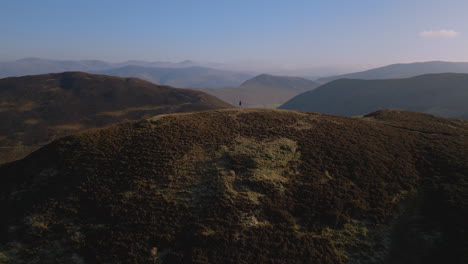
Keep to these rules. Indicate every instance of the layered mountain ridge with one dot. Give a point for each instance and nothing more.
(403, 70)
(440, 94)
(264, 91)
(186, 77)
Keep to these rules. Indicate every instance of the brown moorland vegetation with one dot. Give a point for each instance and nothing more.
(37, 109)
(243, 186)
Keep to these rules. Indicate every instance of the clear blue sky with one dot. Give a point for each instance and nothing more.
(308, 32)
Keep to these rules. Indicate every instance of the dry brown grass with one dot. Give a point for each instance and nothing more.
(131, 109)
(32, 121)
(71, 127)
(27, 106)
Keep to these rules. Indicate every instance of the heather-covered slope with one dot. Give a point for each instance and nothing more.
(243, 186)
(264, 91)
(40, 108)
(440, 94)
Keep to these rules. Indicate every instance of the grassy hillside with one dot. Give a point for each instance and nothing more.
(264, 91)
(440, 94)
(403, 70)
(37, 109)
(188, 77)
(243, 186)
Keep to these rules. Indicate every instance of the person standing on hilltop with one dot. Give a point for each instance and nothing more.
(240, 104)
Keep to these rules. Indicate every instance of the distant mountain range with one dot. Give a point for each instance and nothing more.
(403, 70)
(264, 90)
(185, 74)
(32, 66)
(192, 74)
(185, 77)
(37, 109)
(441, 94)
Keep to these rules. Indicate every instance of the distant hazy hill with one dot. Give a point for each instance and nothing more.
(441, 94)
(404, 71)
(185, 74)
(188, 77)
(32, 66)
(264, 90)
(243, 186)
(159, 64)
(37, 109)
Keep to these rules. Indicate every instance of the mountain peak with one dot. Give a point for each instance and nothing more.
(185, 62)
(262, 78)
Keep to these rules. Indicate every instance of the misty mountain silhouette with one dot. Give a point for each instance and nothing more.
(187, 77)
(403, 70)
(264, 90)
(441, 94)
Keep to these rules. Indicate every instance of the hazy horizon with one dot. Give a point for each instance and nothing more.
(262, 36)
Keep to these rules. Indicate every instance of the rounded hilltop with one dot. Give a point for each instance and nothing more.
(39, 108)
(243, 186)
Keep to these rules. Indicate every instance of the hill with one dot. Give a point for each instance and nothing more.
(403, 70)
(264, 90)
(40, 108)
(440, 94)
(32, 66)
(243, 186)
(188, 77)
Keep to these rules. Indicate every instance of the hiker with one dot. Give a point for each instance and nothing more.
(240, 104)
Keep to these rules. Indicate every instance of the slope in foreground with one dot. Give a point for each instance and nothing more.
(243, 186)
(36, 109)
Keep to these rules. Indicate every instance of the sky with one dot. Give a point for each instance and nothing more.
(274, 33)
